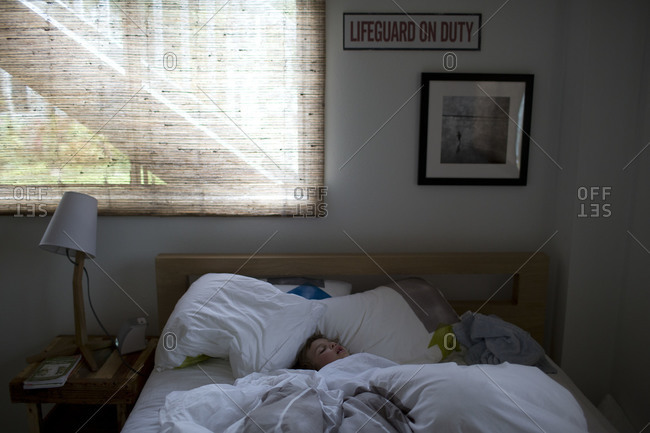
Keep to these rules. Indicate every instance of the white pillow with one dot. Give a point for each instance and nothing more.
(380, 322)
(338, 288)
(249, 321)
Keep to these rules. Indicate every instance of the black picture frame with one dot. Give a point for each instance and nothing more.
(475, 129)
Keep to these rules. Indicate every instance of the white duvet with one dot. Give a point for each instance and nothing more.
(431, 398)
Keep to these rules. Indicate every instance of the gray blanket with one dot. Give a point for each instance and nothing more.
(369, 411)
(491, 340)
(365, 411)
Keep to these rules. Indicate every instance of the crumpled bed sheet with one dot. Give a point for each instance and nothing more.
(364, 392)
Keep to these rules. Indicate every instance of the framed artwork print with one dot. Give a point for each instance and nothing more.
(474, 129)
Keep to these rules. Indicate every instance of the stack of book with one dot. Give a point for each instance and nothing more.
(52, 372)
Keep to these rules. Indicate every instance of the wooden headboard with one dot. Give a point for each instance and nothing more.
(529, 272)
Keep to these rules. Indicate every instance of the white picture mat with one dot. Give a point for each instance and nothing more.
(439, 89)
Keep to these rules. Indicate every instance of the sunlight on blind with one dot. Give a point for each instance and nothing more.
(163, 107)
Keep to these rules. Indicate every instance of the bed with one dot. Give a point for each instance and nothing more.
(244, 330)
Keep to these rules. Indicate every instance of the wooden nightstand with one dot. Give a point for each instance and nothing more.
(112, 384)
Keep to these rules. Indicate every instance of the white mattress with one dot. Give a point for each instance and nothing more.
(144, 417)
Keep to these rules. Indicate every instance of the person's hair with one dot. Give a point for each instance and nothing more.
(302, 360)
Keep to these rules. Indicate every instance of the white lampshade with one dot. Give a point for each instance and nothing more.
(73, 226)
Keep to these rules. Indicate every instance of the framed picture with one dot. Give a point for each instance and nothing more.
(474, 129)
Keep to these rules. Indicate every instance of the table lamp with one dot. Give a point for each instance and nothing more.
(73, 228)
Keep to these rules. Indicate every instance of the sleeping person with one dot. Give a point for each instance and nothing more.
(318, 351)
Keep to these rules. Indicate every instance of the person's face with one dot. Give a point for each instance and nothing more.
(323, 351)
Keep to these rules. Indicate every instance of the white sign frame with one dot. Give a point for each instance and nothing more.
(420, 31)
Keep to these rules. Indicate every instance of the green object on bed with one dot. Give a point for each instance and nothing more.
(193, 360)
(445, 339)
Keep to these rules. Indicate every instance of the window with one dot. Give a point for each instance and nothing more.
(159, 107)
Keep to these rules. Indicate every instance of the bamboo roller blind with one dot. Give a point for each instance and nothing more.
(162, 107)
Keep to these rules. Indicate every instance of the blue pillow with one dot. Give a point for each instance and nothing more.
(309, 291)
(311, 288)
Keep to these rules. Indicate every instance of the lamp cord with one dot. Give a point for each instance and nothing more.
(101, 325)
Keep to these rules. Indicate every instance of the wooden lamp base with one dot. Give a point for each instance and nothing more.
(82, 343)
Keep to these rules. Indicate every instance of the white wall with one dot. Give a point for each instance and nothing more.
(602, 130)
(631, 376)
(375, 197)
